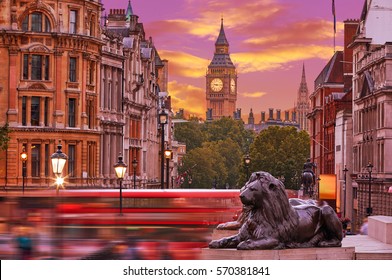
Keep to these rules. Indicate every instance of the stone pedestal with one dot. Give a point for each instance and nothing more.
(380, 228)
(338, 253)
(218, 234)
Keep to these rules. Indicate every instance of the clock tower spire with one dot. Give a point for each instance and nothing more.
(221, 80)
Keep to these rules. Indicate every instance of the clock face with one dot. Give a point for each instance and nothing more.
(232, 86)
(216, 84)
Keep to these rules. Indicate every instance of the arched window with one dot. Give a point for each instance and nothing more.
(36, 22)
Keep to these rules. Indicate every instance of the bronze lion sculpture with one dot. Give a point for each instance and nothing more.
(273, 222)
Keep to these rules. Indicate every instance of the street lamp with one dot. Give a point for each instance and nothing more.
(344, 190)
(168, 156)
(369, 167)
(134, 165)
(247, 161)
(162, 121)
(23, 158)
(318, 187)
(58, 162)
(120, 167)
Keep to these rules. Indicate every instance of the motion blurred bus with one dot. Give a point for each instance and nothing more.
(182, 219)
(179, 218)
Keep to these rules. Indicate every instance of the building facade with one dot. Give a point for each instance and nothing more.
(50, 87)
(221, 81)
(97, 89)
(372, 88)
(144, 95)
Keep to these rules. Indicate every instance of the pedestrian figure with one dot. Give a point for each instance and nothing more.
(24, 244)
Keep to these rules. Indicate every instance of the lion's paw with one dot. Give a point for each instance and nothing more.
(245, 245)
(214, 244)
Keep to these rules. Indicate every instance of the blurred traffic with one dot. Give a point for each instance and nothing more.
(152, 225)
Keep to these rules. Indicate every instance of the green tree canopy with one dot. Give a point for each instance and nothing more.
(204, 165)
(190, 133)
(282, 152)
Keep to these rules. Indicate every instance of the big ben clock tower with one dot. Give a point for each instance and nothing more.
(221, 81)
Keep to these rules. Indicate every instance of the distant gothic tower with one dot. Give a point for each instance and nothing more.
(251, 118)
(221, 81)
(303, 103)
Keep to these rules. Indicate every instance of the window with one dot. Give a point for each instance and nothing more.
(46, 108)
(72, 21)
(46, 160)
(71, 160)
(24, 110)
(36, 22)
(35, 110)
(90, 113)
(72, 112)
(38, 69)
(25, 66)
(72, 69)
(35, 160)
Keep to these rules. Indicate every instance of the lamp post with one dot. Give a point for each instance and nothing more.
(247, 161)
(58, 162)
(369, 210)
(120, 167)
(23, 158)
(318, 187)
(134, 165)
(168, 155)
(162, 122)
(344, 190)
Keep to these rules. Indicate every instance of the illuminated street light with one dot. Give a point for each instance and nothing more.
(168, 156)
(162, 121)
(23, 158)
(120, 168)
(247, 161)
(58, 162)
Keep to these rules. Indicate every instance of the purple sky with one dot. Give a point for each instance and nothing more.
(269, 40)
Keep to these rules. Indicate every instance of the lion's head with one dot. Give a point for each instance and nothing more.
(268, 199)
(260, 187)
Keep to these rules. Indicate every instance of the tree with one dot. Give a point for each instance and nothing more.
(282, 152)
(189, 133)
(4, 137)
(203, 165)
(231, 155)
(214, 152)
(225, 128)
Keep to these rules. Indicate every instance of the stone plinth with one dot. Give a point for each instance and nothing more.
(380, 228)
(338, 253)
(218, 234)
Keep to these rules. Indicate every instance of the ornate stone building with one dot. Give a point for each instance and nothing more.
(372, 104)
(221, 81)
(96, 88)
(50, 52)
(138, 78)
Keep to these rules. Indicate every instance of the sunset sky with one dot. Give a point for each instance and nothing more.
(269, 40)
